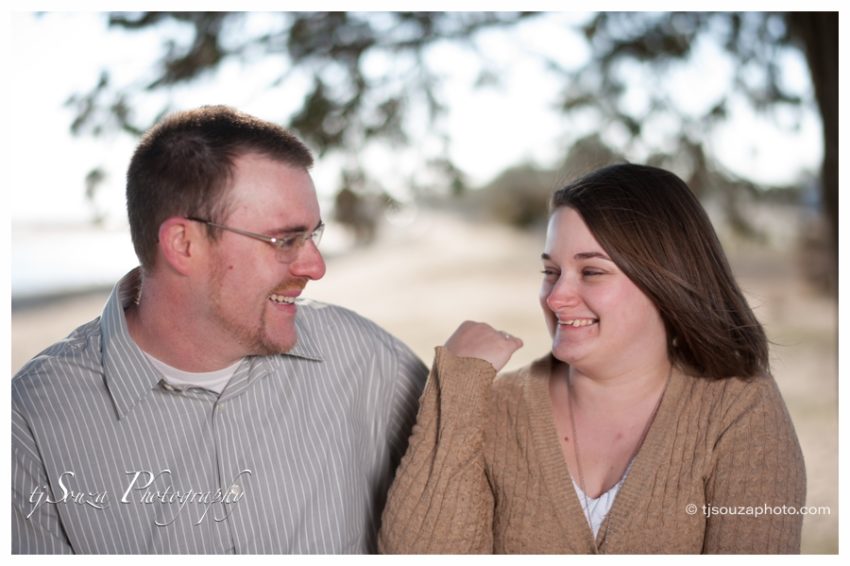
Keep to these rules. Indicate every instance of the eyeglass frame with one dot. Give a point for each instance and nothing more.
(280, 244)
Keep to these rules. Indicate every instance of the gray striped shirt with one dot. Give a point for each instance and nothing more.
(294, 456)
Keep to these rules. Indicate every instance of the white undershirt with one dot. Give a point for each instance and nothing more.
(596, 509)
(178, 379)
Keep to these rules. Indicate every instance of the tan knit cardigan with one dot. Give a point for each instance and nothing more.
(484, 471)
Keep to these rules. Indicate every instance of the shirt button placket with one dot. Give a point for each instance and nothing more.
(220, 433)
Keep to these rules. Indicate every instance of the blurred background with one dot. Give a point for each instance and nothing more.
(439, 138)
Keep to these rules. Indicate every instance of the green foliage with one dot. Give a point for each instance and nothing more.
(347, 107)
(519, 197)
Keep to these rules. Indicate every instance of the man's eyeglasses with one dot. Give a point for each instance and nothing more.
(287, 247)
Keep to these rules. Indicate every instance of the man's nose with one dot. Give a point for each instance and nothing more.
(309, 264)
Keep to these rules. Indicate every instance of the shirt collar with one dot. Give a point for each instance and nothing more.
(306, 346)
(130, 375)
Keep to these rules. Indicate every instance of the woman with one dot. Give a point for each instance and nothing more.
(653, 427)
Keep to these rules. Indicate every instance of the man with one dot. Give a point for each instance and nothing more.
(210, 409)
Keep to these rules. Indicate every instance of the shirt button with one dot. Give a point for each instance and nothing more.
(235, 490)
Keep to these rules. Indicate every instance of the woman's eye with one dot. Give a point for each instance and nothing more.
(591, 272)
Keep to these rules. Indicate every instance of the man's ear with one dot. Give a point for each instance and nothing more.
(179, 243)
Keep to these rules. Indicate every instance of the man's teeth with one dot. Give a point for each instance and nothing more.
(576, 323)
(282, 299)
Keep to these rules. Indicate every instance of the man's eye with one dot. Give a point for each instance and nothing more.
(286, 242)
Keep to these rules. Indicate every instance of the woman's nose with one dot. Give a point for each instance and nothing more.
(563, 294)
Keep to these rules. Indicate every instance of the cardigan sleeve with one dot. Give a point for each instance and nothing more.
(441, 500)
(758, 484)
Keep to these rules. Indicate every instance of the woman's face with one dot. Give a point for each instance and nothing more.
(599, 320)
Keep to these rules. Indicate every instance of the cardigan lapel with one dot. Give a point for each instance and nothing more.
(639, 481)
(577, 535)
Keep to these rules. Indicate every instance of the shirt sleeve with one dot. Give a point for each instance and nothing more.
(441, 501)
(408, 385)
(36, 525)
(758, 484)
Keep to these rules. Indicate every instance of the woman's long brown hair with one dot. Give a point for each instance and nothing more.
(658, 234)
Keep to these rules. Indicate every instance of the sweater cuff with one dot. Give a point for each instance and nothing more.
(464, 383)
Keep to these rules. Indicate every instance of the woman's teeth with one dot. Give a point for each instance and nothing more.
(576, 323)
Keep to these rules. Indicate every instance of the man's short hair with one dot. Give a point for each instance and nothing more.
(184, 164)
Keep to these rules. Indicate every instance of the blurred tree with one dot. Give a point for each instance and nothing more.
(347, 107)
(94, 179)
(520, 195)
(755, 42)
(360, 205)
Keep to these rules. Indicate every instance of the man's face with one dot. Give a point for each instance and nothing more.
(249, 287)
